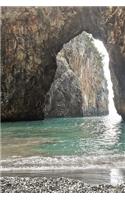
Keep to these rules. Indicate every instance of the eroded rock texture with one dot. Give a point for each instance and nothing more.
(31, 39)
(79, 87)
(115, 44)
(64, 98)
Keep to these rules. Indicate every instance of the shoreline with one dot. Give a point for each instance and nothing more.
(54, 185)
(91, 176)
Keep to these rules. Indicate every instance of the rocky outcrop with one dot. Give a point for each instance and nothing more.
(115, 44)
(31, 39)
(79, 86)
(64, 97)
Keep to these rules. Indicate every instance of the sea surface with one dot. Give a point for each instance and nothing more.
(89, 148)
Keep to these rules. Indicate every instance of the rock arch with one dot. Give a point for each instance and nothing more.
(31, 38)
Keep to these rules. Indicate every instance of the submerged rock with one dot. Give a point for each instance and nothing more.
(79, 87)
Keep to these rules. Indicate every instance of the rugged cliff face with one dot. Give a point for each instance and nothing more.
(115, 44)
(64, 97)
(31, 39)
(79, 86)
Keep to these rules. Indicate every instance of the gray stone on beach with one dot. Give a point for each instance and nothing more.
(51, 184)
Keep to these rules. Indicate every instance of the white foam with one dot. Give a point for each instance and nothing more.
(64, 162)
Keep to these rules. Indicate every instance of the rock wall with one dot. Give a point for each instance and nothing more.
(31, 39)
(64, 97)
(79, 86)
(115, 44)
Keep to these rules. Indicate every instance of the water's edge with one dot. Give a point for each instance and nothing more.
(89, 149)
(89, 176)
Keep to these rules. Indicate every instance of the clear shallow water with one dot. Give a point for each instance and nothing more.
(64, 142)
(90, 148)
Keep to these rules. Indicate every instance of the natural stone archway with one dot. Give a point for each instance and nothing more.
(79, 87)
(31, 38)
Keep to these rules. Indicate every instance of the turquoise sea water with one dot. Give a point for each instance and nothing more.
(90, 148)
(64, 142)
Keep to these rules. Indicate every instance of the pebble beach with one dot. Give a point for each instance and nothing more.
(54, 185)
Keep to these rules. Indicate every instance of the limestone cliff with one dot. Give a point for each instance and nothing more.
(115, 44)
(64, 98)
(79, 87)
(31, 39)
